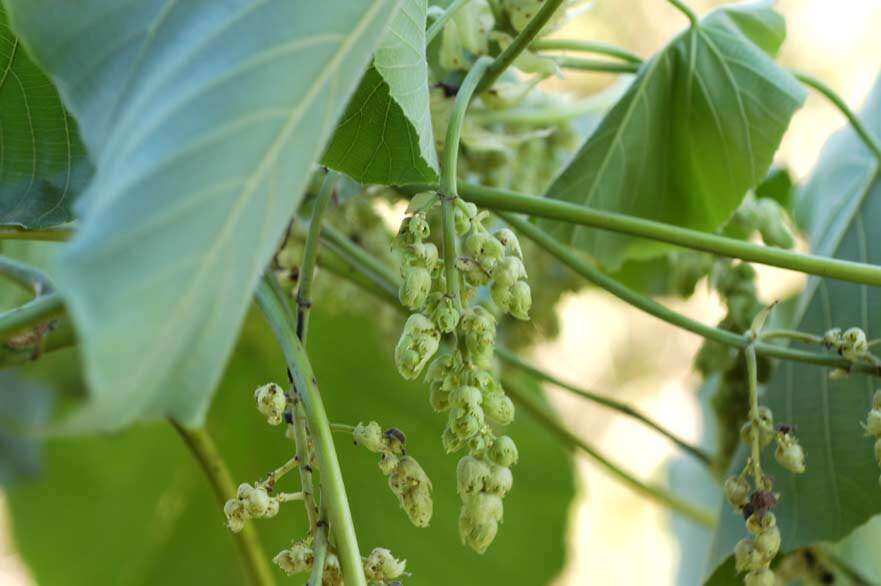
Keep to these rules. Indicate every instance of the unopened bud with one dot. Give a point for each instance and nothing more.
(500, 481)
(271, 403)
(736, 491)
(471, 474)
(521, 300)
(499, 407)
(510, 241)
(767, 543)
(504, 452)
(789, 453)
(415, 287)
(369, 436)
(479, 520)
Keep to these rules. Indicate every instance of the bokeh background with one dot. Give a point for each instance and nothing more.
(614, 536)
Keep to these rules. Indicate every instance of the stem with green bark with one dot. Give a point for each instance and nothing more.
(520, 43)
(438, 25)
(688, 12)
(33, 313)
(47, 235)
(333, 487)
(755, 435)
(652, 307)
(204, 450)
(596, 65)
(310, 253)
(509, 201)
(25, 276)
(655, 493)
(512, 359)
(792, 335)
(585, 47)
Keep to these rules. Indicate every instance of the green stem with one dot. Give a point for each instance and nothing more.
(58, 338)
(310, 253)
(333, 487)
(512, 359)
(342, 428)
(319, 555)
(204, 450)
(25, 276)
(47, 235)
(684, 9)
(375, 270)
(520, 43)
(652, 307)
(597, 65)
(38, 311)
(549, 115)
(655, 493)
(867, 137)
(341, 266)
(504, 200)
(792, 335)
(585, 47)
(438, 25)
(755, 444)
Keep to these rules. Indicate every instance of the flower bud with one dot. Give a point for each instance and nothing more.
(451, 440)
(789, 453)
(479, 520)
(271, 402)
(439, 399)
(832, 338)
(298, 558)
(236, 515)
(746, 557)
(415, 287)
(369, 436)
(873, 423)
(499, 407)
(510, 241)
(765, 427)
(418, 505)
(760, 577)
(736, 491)
(504, 452)
(467, 397)
(418, 343)
(407, 475)
(501, 295)
(465, 424)
(767, 543)
(854, 344)
(508, 271)
(521, 300)
(462, 217)
(418, 227)
(471, 474)
(445, 315)
(255, 499)
(413, 488)
(381, 565)
(500, 481)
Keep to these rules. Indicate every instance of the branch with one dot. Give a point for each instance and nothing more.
(585, 47)
(333, 487)
(655, 493)
(438, 25)
(512, 359)
(47, 235)
(684, 9)
(203, 449)
(33, 313)
(596, 65)
(26, 276)
(510, 201)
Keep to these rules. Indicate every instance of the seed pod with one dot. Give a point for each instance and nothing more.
(471, 475)
(760, 577)
(504, 452)
(381, 565)
(736, 491)
(369, 436)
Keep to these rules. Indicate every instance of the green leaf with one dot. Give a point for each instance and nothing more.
(204, 119)
(695, 131)
(779, 186)
(385, 135)
(43, 166)
(133, 509)
(841, 210)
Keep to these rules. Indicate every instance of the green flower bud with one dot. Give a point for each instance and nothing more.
(736, 491)
(766, 429)
(451, 440)
(479, 327)
(521, 300)
(467, 397)
(499, 408)
(271, 403)
(463, 215)
(508, 271)
(501, 295)
(479, 520)
(473, 243)
(369, 436)
(510, 241)
(295, 560)
(504, 452)
(500, 481)
(471, 474)
(255, 498)
(407, 475)
(760, 577)
(381, 566)
(387, 463)
(855, 346)
(465, 424)
(418, 343)
(484, 381)
(767, 543)
(478, 444)
(415, 287)
(418, 227)
(422, 254)
(439, 399)
(789, 453)
(746, 557)
(873, 423)
(445, 315)
(442, 368)
(832, 338)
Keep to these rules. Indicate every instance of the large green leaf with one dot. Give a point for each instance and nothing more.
(204, 119)
(841, 210)
(43, 166)
(133, 508)
(385, 134)
(696, 130)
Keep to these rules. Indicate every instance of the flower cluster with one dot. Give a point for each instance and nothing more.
(253, 501)
(380, 566)
(873, 425)
(406, 478)
(851, 344)
(753, 555)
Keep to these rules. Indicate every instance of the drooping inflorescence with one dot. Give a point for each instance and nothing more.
(461, 378)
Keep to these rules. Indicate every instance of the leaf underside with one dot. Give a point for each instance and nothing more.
(698, 128)
(203, 119)
(841, 210)
(43, 166)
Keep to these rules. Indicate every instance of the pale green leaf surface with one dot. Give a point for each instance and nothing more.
(385, 135)
(43, 166)
(204, 119)
(132, 509)
(697, 128)
(841, 209)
